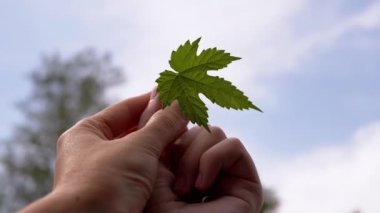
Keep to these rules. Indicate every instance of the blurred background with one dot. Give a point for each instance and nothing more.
(312, 66)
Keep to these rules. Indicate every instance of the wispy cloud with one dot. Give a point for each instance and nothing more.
(333, 178)
(246, 28)
(262, 33)
(364, 20)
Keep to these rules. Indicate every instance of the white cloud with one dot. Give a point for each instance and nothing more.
(263, 33)
(367, 19)
(246, 28)
(333, 179)
(142, 34)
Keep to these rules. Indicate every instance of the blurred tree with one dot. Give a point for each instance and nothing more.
(63, 91)
(270, 202)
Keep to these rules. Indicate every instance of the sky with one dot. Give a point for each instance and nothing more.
(312, 66)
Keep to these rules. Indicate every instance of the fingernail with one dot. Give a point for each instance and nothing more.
(153, 94)
(155, 102)
(154, 99)
(153, 106)
(175, 106)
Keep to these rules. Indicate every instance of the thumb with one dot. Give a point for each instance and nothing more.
(163, 128)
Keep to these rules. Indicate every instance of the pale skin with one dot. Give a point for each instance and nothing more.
(136, 157)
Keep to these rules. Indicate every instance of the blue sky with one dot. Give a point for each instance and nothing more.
(312, 66)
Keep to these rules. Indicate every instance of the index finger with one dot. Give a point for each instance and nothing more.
(122, 116)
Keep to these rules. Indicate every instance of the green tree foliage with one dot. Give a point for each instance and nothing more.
(63, 91)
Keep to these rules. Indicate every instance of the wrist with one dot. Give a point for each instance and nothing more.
(107, 194)
(69, 200)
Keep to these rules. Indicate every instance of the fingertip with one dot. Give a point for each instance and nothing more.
(165, 126)
(120, 117)
(206, 177)
(153, 93)
(153, 106)
(173, 112)
(175, 108)
(199, 183)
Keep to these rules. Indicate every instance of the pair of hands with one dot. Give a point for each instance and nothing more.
(134, 157)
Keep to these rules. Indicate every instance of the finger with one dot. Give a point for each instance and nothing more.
(163, 128)
(153, 106)
(189, 163)
(229, 156)
(178, 148)
(119, 118)
(241, 179)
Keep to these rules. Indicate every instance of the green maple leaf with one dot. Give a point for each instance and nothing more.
(190, 78)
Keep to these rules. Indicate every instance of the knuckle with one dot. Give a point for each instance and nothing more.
(237, 146)
(84, 123)
(209, 156)
(197, 129)
(205, 158)
(167, 122)
(217, 132)
(63, 138)
(66, 136)
(152, 149)
(100, 125)
(209, 160)
(87, 121)
(96, 124)
(236, 142)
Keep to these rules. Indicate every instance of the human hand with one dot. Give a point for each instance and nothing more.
(200, 165)
(105, 163)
